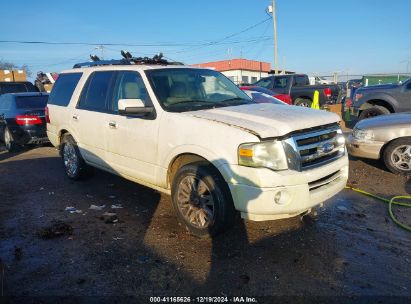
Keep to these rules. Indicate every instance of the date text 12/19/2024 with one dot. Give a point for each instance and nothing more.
(222, 299)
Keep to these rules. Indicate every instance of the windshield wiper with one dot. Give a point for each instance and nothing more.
(244, 101)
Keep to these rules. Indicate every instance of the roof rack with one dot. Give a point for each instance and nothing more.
(127, 59)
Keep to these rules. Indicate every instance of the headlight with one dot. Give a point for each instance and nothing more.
(363, 135)
(268, 154)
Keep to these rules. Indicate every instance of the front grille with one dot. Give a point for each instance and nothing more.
(314, 148)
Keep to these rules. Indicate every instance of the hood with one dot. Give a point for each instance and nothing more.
(378, 87)
(383, 121)
(267, 120)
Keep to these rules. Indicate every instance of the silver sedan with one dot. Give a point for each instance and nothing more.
(386, 137)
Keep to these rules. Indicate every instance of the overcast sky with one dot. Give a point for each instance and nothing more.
(316, 36)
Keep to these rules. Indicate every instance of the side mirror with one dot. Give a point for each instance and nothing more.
(133, 107)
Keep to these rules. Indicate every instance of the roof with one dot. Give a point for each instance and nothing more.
(126, 67)
(27, 94)
(237, 64)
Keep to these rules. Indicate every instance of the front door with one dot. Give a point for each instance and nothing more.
(132, 141)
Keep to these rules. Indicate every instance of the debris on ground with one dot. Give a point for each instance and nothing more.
(96, 207)
(72, 209)
(342, 208)
(118, 238)
(117, 206)
(109, 217)
(112, 196)
(56, 229)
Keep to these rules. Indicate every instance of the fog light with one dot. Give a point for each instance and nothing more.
(281, 197)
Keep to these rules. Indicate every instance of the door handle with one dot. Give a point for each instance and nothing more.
(75, 117)
(112, 124)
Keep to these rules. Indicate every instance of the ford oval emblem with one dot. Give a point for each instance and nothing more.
(326, 148)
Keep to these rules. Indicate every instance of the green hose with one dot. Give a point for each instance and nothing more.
(390, 202)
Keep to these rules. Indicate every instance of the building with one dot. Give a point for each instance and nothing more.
(240, 71)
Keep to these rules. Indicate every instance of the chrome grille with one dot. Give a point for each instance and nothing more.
(312, 149)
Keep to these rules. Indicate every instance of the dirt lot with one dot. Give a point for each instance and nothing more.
(351, 249)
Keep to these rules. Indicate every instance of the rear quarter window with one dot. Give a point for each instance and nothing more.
(63, 89)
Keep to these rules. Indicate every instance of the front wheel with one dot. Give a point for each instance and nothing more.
(202, 200)
(397, 156)
(373, 111)
(302, 102)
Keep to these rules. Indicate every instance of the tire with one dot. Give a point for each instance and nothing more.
(397, 156)
(207, 208)
(373, 111)
(302, 102)
(74, 164)
(11, 145)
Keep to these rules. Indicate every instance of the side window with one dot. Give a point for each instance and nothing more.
(63, 89)
(409, 86)
(129, 85)
(96, 92)
(265, 83)
(280, 82)
(300, 81)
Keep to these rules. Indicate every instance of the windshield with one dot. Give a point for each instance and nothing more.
(186, 89)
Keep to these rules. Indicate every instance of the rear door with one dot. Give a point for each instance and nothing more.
(91, 117)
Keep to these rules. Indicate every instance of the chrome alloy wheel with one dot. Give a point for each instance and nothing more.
(401, 157)
(70, 159)
(195, 202)
(7, 139)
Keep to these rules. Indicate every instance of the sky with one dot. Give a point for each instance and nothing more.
(314, 37)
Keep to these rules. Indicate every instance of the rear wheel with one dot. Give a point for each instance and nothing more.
(373, 111)
(202, 200)
(303, 102)
(9, 142)
(73, 162)
(397, 156)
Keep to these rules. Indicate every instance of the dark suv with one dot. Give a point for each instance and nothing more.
(22, 119)
(382, 99)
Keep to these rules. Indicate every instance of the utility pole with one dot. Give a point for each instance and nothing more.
(275, 37)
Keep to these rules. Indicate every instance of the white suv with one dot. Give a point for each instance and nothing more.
(191, 133)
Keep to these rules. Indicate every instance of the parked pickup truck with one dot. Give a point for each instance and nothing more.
(381, 99)
(192, 133)
(299, 88)
(16, 87)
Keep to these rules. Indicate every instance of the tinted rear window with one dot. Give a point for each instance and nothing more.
(31, 102)
(13, 88)
(63, 89)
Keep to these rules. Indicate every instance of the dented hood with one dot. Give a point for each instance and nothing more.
(267, 120)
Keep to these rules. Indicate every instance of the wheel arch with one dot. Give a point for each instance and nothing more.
(384, 147)
(377, 102)
(183, 159)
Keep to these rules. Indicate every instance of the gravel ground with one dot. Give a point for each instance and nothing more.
(350, 249)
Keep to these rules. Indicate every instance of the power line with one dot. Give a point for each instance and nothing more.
(137, 45)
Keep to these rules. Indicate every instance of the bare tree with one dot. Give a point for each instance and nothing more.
(5, 65)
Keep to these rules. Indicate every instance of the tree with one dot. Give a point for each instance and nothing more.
(5, 65)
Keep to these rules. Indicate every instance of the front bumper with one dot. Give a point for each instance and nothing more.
(254, 191)
(362, 149)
